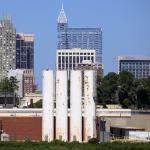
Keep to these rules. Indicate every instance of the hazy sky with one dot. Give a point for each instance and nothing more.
(125, 25)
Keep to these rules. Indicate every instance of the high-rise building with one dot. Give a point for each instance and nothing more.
(68, 59)
(24, 51)
(7, 46)
(139, 66)
(84, 38)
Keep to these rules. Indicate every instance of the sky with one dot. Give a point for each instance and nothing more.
(125, 25)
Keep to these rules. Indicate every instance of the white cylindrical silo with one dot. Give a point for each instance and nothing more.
(61, 105)
(89, 104)
(48, 99)
(75, 107)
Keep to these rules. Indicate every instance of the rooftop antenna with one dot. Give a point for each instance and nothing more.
(62, 6)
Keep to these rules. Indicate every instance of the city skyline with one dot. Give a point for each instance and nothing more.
(84, 38)
(125, 27)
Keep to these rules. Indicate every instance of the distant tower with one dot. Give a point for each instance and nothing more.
(7, 46)
(62, 20)
(62, 26)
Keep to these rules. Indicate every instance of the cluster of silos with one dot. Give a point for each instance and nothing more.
(73, 123)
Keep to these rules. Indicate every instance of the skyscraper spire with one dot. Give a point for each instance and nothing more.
(62, 6)
(62, 16)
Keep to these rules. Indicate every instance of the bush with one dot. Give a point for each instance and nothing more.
(126, 103)
(58, 142)
(93, 141)
(74, 143)
(104, 105)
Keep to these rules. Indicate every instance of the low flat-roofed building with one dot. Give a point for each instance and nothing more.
(123, 131)
(139, 66)
(25, 123)
(30, 98)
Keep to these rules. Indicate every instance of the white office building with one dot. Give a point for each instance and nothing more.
(68, 59)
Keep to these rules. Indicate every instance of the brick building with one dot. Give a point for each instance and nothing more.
(21, 124)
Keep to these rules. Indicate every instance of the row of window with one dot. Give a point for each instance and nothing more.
(20, 43)
(74, 59)
(73, 53)
(136, 68)
(135, 63)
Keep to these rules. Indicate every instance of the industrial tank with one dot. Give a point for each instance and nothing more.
(48, 99)
(76, 104)
(89, 104)
(61, 105)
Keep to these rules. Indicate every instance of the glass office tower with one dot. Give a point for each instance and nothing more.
(84, 38)
(24, 51)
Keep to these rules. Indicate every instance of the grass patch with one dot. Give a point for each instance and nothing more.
(58, 145)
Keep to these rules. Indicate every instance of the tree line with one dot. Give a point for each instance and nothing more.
(8, 85)
(123, 89)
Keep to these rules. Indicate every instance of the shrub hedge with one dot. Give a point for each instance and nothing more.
(59, 145)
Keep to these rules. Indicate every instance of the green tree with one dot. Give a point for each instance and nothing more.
(124, 89)
(143, 93)
(9, 85)
(13, 84)
(127, 90)
(126, 103)
(106, 89)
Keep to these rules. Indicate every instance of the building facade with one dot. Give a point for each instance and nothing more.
(23, 124)
(29, 98)
(84, 38)
(24, 51)
(28, 81)
(88, 65)
(68, 59)
(25, 78)
(138, 66)
(7, 46)
(18, 74)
